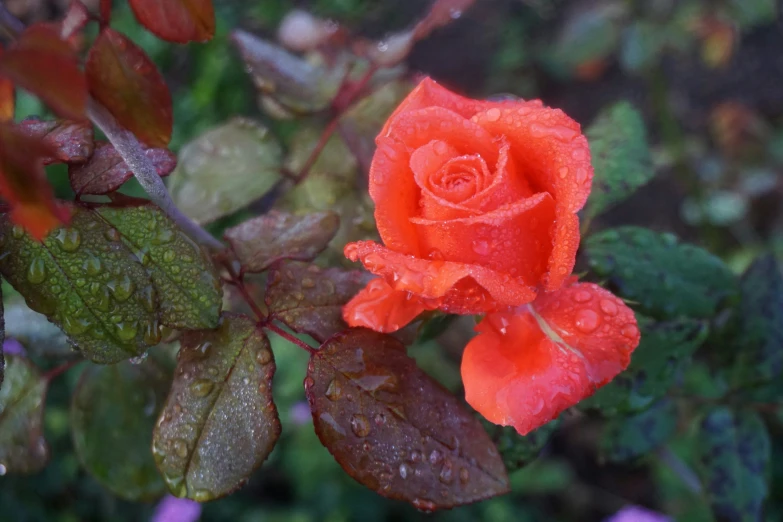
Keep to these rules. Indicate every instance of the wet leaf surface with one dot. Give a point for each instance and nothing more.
(123, 78)
(179, 21)
(760, 355)
(22, 396)
(627, 438)
(225, 169)
(106, 171)
(620, 156)
(261, 241)
(394, 429)
(113, 412)
(219, 422)
(187, 285)
(71, 140)
(734, 456)
(44, 64)
(87, 283)
(310, 299)
(517, 451)
(667, 278)
(663, 353)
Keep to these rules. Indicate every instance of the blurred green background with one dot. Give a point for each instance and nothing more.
(706, 74)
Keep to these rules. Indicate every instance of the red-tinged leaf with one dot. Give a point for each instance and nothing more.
(310, 299)
(107, 171)
(442, 12)
(124, 79)
(76, 17)
(261, 241)
(7, 98)
(394, 429)
(179, 21)
(23, 182)
(72, 141)
(44, 64)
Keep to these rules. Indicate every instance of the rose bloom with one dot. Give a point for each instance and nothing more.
(476, 204)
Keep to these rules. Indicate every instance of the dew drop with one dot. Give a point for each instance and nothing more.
(69, 239)
(380, 419)
(163, 236)
(360, 426)
(264, 356)
(582, 296)
(405, 470)
(169, 256)
(308, 283)
(36, 272)
(202, 387)
(581, 175)
(111, 234)
(440, 148)
(152, 335)
(608, 307)
(122, 289)
(93, 266)
(587, 320)
(464, 475)
(493, 114)
(17, 232)
(481, 247)
(435, 457)
(630, 330)
(334, 390)
(446, 472)
(180, 447)
(563, 172)
(126, 331)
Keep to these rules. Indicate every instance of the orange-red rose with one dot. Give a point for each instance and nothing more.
(476, 205)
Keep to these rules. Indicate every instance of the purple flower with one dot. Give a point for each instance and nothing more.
(300, 413)
(173, 509)
(637, 514)
(13, 347)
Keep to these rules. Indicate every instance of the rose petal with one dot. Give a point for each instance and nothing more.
(455, 287)
(381, 308)
(514, 239)
(554, 156)
(527, 366)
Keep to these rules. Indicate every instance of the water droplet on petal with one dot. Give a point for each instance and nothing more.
(334, 390)
(630, 330)
(587, 320)
(608, 307)
(493, 114)
(36, 272)
(360, 426)
(563, 172)
(481, 247)
(582, 296)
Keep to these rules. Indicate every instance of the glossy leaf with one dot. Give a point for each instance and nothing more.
(734, 456)
(395, 430)
(219, 422)
(759, 354)
(225, 169)
(264, 240)
(620, 155)
(113, 412)
(23, 182)
(310, 299)
(292, 82)
(517, 451)
(665, 277)
(44, 64)
(664, 351)
(123, 78)
(106, 171)
(179, 21)
(72, 141)
(626, 438)
(87, 283)
(185, 279)
(22, 445)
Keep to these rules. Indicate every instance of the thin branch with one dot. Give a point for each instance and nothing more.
(681, 469)
(59, 370)
(289, 337)
(129, 148)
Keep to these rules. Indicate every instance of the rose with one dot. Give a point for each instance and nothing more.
(476, 204)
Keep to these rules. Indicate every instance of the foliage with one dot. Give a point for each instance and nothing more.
(177, 364)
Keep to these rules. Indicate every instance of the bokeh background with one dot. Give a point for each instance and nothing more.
(708, 77)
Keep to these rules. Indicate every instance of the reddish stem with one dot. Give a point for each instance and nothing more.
(289, 337)
(59, 370)
(105, 13)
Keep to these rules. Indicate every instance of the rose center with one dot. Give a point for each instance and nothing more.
(460, 179)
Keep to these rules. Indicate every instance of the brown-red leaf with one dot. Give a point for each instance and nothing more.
(72, 141)
(23, 182)
(179, 21)
(107, 171)
(261, 241)
(44, 64)
(310, 299)
(394, 429)
(7, 98)
(124, 79)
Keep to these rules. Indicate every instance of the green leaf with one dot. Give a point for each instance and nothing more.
(2, 337)
(113, 412)
(22, 445)
(309, 299)
(225, 169)
(187, 284)
(433, 325)
(87, 283)
(395, 430)
(620, 155)
(663, 352)
(517, 451)
(752, 13)
(39, 337)
(641, 47)
(264, 240)
(758, 351)
(219, 422)
(734, 457)
(666, 278)
(626, 438)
